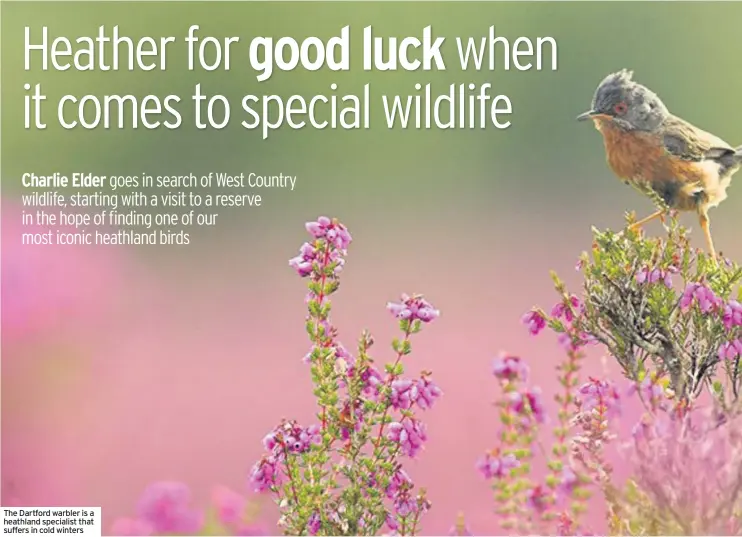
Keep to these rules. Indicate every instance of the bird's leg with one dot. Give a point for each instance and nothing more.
(704, 219)
(636, 225)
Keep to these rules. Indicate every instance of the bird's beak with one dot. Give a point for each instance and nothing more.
(587, 115)
(592, 114)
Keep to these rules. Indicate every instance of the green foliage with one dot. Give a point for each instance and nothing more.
(656, 303)
(670, 317)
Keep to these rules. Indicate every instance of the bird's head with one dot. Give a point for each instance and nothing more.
(626, 103)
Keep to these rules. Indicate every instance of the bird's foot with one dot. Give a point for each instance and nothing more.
(637, 226)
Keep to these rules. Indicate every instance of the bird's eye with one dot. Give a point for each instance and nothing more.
(620, 108)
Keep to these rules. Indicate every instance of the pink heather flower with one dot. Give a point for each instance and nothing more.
(372, 381)
(290, 436)
(537, 498)
(299, 443)
(401, 396)
(600, 393)
(165, 505)
(527, 403)
(297, 439)
(342, 352)
(399, 482)
(327, 328)
(391, 522)
(426, 393)
(310, 260)
(405, 504)
(563, 310)
(319, 228)
(730, 350)
(535, 321)
(131, 527)
(265, 475)
(566, 341)
(307, 358)
(409, 434)
(422, 392)
(647, 275)
(303, 263)
(572, 341)
(699, 293)
(413, 308)
(307, 438)
(229, 505)
(732, 314)
(494, 466)
(510, 368)
(642, 276)
(270, 441)
(688, 295)
(314, 524)
(331, 230)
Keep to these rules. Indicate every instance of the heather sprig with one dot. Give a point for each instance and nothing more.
(671, 318)
(660, 305)
(558, 502)
(507, 464)
(597, 403)
(565, 479)
(345, 475)
(523, 505)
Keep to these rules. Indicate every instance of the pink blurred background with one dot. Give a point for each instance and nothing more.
(176, 370)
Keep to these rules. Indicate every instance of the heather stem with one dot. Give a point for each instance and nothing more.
(388, 384)
(290, 473)
(523, 483)
(507, 492)
(413, 530)
(569, 370)
(318, 318)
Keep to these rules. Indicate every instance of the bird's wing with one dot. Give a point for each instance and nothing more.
(691, 143)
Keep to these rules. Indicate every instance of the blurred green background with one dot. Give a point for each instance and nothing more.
(686, 52)
(208, 337)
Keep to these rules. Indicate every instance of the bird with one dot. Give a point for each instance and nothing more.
(660, 154)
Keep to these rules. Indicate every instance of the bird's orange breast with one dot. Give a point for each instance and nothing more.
(631, 155)
(640, 158)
